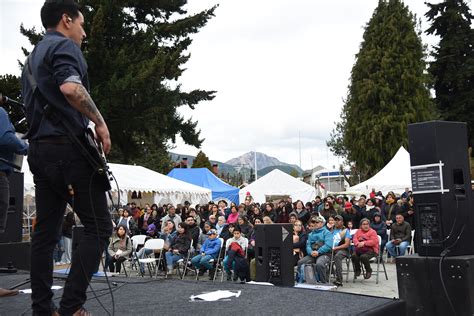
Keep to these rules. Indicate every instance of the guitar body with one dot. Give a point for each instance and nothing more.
(95, 150)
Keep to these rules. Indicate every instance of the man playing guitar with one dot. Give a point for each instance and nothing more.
(56, 75)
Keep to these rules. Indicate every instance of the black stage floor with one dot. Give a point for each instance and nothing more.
(145, 296)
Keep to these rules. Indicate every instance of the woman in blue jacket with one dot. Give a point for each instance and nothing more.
(209, 250)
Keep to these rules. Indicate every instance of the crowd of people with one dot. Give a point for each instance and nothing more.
(325, 229)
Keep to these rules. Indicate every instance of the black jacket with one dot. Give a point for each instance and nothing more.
(182, 243)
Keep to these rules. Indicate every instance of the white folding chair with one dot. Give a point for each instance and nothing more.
(183, 263)
(151, 260)
(137, 240)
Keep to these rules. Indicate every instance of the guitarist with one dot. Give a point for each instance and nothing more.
(61, 172)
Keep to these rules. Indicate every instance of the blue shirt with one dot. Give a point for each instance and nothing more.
(55, 60)
(9, 143)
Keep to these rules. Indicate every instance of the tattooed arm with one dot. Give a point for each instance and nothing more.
(80, 99)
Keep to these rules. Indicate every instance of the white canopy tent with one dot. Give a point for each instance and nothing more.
(154, 187)
(395, 176)
(278, 183)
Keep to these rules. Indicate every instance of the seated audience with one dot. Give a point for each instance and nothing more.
(318, 248)
(209, 250)
(233, 216)
(381, 228)
(120, 248)
(299, 241)
(366, 246)
(233, 244)
(341, 243)
(400, 235)
(178, 248)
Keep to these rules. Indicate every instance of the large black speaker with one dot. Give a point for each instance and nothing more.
(441, 185)
(274, 254)
(18, 253)
(14, 228)
(419, 284)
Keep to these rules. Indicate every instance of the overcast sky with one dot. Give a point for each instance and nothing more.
(280, 68)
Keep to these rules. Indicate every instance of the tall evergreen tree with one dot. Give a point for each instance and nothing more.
(453, 65)
(388, 90)
(136, 51)
(201, 161)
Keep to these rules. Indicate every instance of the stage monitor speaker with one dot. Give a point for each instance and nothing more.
(18, 253)
(441, 184)
(274, 254)
(14, 228)
(419, 285)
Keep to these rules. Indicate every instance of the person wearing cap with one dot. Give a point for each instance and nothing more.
(318, 248)
(341, 243)
(209, 250)
(350, 214)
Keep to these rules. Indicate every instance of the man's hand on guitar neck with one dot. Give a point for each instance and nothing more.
(80, 99)
(103, 137)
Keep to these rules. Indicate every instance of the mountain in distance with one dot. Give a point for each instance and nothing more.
(244, 163)
(263, 161)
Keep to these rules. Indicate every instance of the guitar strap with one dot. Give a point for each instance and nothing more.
(58, 118)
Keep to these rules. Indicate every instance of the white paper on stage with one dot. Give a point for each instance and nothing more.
(259, 283)
(316, 287)
(215, 295)
(28, 291)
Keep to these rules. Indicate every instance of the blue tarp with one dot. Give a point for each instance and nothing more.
(204, 178)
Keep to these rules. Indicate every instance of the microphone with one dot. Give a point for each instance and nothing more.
(5, 100)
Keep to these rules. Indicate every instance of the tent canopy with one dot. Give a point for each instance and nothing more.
(278, 183)
(164, 189)
(395, 176)
(158, 187)
(206, 179)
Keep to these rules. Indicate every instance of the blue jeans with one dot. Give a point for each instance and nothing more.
(225, 265)
(171, 259)
(391, 248)
(200, 260)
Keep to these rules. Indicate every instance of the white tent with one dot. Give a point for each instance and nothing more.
(277, 183)
(395, 176)
(154, 187)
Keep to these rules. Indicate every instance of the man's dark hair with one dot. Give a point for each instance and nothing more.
(53, 10)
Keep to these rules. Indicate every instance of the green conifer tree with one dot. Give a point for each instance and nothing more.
(453, 65)
(201, 161)
(388, 91)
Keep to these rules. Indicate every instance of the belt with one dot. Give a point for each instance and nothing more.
(61, 139)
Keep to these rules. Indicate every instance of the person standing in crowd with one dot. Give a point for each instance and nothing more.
(59, 168)
(366, 246)
(400, 235)
(120, 248)
(9, 145)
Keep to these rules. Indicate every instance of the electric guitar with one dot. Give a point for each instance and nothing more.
(97, 154)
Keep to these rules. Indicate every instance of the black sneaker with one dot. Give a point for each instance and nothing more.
(211, 274)
(357, 273)
(235, 278)
(201, 272)
(229, 276)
